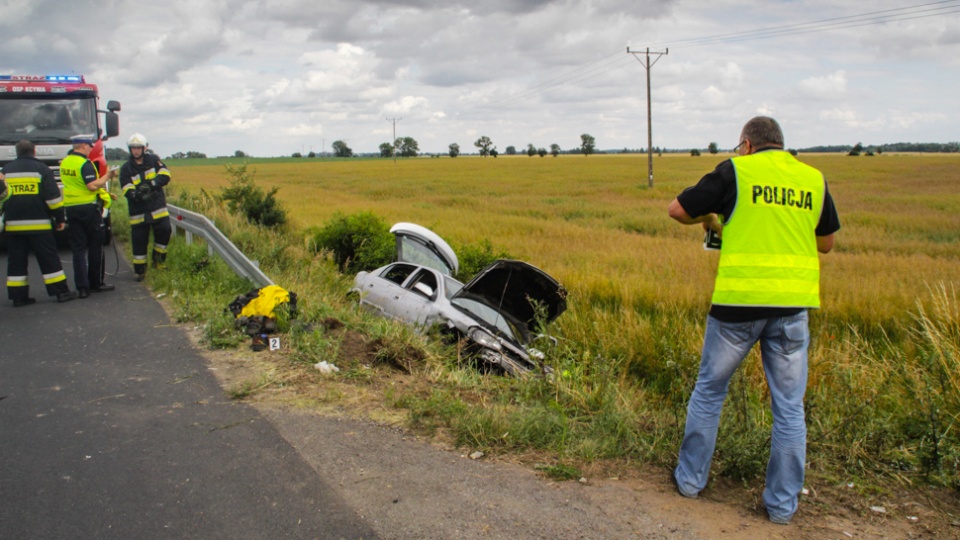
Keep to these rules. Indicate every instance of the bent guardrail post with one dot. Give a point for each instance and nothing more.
(194, 223)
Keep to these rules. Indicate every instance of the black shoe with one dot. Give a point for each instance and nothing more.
(24, 302)
(66, 296)
(103, 287)
(139, 277)
(83, 293)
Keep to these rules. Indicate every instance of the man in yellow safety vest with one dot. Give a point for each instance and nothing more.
(773, 215)
(81, 197)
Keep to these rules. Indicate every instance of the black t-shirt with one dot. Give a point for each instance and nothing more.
(716, 193)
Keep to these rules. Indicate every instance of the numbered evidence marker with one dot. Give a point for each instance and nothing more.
(274, 344)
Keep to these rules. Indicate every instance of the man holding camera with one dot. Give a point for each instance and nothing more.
(142, 179)
(774, 214)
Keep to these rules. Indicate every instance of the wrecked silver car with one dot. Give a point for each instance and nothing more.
(498, 312)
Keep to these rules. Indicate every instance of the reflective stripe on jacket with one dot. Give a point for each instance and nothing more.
(769, 252)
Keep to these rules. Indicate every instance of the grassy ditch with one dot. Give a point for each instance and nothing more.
(882, 403)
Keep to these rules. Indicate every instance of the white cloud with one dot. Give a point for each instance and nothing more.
(273, 76)
(829, 87)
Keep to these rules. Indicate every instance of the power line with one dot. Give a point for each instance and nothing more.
(607, 64)
(945, 7)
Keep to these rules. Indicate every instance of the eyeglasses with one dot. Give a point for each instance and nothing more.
(737, 148)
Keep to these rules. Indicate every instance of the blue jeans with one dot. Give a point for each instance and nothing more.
(783, 347)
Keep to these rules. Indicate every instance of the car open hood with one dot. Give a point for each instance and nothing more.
(420, 245)
(512, 287)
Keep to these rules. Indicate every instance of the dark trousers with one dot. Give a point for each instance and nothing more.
(45, 248)
(86, 241)
(140, 237)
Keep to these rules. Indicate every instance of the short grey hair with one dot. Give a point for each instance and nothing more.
(763, 131)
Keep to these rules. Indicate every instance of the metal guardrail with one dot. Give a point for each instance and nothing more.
(193, 223)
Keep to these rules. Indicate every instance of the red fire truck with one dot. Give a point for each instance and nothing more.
(48, 110)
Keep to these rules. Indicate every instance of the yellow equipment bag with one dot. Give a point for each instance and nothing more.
(265, 302)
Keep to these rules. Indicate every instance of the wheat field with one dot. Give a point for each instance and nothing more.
(593, 223)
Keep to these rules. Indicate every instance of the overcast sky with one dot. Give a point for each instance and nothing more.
(273, 77)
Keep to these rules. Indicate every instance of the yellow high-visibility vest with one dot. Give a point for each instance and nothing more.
(768, 257)
(75, 191)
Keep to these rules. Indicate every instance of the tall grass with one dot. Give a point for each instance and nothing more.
(883, 393)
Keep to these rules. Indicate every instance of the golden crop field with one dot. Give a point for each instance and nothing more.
(593, 223)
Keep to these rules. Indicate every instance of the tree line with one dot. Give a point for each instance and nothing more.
(409, 147)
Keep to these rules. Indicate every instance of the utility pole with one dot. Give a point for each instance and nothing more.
(647, 66)
(394, 120)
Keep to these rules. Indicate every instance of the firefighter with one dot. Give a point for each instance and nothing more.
(81, 186)
(34, 200)
(142, 179)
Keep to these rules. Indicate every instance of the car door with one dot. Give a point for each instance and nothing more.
(381, 291)
(417, 303)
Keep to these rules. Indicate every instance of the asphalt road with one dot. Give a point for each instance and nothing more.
(111, 426)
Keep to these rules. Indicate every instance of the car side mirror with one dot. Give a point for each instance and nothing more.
(424, 289)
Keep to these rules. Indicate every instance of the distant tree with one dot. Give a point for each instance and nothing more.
(386, 150)
(296, 155)
(340, 149)
(196, 155)
(855, 151)
(454, 150)
(240, 154)
(554, 149)
(541, 152)
(484, 144)
(587, 144)
(712, 148)
(793, 151)
(695, 153)
(510, 151)
(312, 154)
(493, 152)
(531, 149)
(407, 147)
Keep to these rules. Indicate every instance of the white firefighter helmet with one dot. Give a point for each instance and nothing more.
(137, 139)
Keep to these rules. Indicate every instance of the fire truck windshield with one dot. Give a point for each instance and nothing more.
(46, 121)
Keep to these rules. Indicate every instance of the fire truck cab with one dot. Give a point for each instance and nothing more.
(48, 110)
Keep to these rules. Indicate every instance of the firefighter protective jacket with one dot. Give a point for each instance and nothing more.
(34, 198)
(147, 204)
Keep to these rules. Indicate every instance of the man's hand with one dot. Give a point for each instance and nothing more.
(61, 226)
(712, 222)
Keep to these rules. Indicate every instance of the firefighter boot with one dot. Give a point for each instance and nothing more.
(158, 259)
